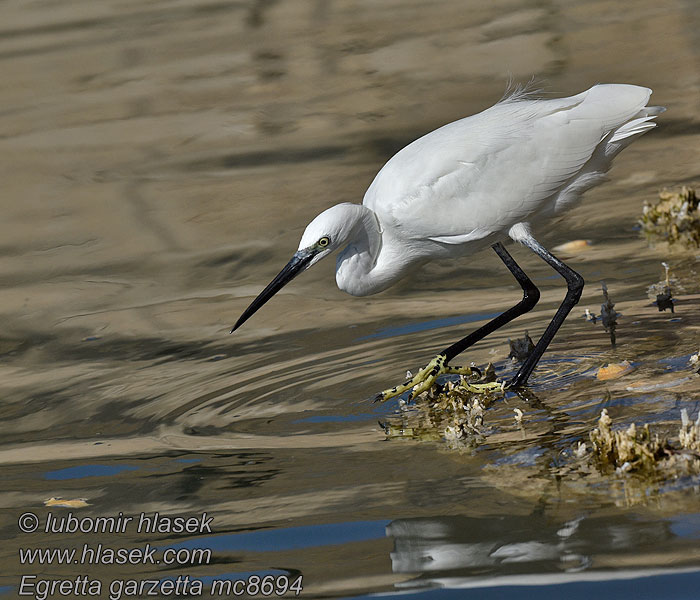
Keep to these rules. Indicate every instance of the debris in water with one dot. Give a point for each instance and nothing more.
(75, 503)
(573, 246)
(488, 373)
(689, 433)
(634, 450)
(451, 411)
(608, 316)
(521, 348)
(580, 450)
(518, 417)
(665, 300)
(695, 361)
(589, 316)
(625, 449)
(674, 219)
(613, 371)
(664, 297)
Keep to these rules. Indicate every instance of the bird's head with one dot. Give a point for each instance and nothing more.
(326, 233)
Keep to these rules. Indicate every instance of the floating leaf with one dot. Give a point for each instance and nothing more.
(573, 246)
(614, 370)
(75, 503)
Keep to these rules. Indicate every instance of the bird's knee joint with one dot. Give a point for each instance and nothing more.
(576, 284)
(531, 295)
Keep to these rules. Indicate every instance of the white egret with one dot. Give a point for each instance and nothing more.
(471, 184)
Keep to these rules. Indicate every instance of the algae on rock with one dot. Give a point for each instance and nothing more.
(675, 218)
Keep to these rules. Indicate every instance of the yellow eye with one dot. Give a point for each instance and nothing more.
(324, 241)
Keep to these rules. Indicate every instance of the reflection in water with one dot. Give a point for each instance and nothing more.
(428, 325)
(450, 544)
(463, 551)
(88, 471)
(292, 538)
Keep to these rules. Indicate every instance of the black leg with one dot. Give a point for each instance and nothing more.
(530, 297)
(574, 284)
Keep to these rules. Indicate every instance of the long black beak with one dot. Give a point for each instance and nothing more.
(295, 266)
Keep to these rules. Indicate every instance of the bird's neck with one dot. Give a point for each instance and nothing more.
(359, 268)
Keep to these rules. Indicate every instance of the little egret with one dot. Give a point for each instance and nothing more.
(471, 184)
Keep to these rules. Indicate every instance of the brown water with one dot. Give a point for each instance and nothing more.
(160, 161)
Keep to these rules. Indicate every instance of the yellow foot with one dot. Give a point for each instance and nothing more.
(425, 378)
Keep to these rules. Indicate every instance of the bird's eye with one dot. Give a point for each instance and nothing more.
(324, 241)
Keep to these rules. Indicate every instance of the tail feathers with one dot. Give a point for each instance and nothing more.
(641, 123)
(633, 127)
(651, 111)
(593, 172)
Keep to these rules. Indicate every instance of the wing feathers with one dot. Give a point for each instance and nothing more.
(483, 174)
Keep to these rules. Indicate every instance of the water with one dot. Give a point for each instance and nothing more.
(160, 162)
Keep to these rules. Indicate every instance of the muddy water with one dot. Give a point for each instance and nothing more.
(160, 161)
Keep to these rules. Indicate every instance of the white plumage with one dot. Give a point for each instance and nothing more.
(464, 186)
(472, 183)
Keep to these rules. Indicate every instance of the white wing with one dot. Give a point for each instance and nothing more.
(487, 172)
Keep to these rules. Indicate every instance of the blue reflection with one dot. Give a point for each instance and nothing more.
(686, 526)
(291, 538)
(338, 418)
(674, 586)
(427, 325)
(88, 471)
